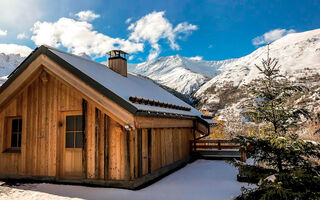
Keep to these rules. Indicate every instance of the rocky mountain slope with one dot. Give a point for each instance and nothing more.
(7, 64)
(297, 53)
(299, 57)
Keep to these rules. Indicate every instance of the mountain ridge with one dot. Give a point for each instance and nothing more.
(183, 74)
(216, 84)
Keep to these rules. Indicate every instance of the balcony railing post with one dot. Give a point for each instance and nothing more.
(219, 145)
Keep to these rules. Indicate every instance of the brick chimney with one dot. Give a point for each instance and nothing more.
(118, 62)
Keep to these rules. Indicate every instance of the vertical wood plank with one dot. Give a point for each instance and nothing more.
(149, 150)
(132, 154)
(163, 148)
(139, 152)
(127, 152)
(101, 145)
(96, 148)
(144, 151)
(136, 160)
(36, 128)
(106, 146)
(91, 142)
(84, 138)
(54, 128)
(24, 132)
(42, 134)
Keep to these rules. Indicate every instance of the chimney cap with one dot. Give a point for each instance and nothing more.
(116, 53)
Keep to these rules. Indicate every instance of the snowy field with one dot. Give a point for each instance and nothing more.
(202, 179)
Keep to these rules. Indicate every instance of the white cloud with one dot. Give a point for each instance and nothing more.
(128, 20)
(196, 58)
(87, 15)
(3, 32)
(21, 36)
(131, 57)
(24, 51)
(79, 37)
(271, 36)
(154, 52)
(20, 15)
(155, 26)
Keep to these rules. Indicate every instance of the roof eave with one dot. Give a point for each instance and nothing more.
(163, 115)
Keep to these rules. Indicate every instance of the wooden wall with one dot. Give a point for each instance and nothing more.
(160, 147)
(39, 105)
(112, 153)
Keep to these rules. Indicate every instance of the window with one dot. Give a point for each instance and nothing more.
(74, 131)
(16, 130)
(12, 135)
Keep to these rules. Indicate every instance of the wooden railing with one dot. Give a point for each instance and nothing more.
(216, 145)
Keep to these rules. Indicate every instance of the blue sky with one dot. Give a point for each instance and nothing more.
(213, 30)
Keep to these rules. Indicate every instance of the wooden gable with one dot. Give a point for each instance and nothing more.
(44, 63)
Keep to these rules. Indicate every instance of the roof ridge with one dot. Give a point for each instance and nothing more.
(71, 54)
(92, 61)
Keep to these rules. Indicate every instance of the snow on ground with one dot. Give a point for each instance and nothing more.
(202, 179)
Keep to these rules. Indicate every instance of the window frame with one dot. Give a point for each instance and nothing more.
(74, 131)
(8, 135)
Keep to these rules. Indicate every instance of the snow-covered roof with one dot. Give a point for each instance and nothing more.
(125, 87)
(115, 86)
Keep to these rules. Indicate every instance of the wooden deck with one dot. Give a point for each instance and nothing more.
(217, 149)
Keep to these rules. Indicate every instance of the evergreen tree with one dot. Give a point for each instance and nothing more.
(270, 99)
(287, 157)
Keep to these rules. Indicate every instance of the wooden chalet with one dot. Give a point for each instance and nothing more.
(64, 118)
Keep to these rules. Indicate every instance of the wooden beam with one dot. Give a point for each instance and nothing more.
(127, 148)
(101, 145)
(132, 154)
(149, 150)
(84, 138)
(139, 152)
(154, 122)
(106, 146)
(96, 152)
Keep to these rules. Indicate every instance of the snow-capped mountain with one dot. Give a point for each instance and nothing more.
(297, 53)
(7, 64)
(216, 83)
(182, 74)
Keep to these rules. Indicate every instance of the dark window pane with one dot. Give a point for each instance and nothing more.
(14, 142)
(19, 140)
(70, 140)
(20, 125)
(79, 140)
(79, 123)
(15, 125)
(16, 129)
(70, 123)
